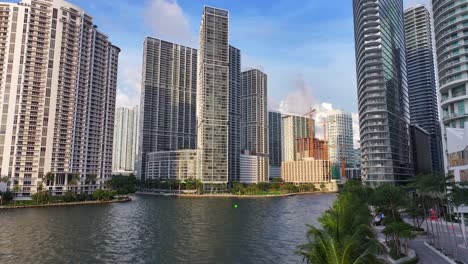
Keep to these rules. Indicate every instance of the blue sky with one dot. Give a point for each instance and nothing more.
(305, 46)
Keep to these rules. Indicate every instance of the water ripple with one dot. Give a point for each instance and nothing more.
(162, 230)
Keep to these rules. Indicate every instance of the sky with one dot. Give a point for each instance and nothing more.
(306, 47)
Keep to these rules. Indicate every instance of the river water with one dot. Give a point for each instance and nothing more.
(153, 229)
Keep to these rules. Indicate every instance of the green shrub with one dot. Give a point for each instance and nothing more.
(41, 197)
(6, 197)
(69, 197)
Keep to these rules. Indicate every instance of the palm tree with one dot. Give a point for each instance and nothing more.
(346, 235)
(90, 178)
(75, 179)
(50, 178)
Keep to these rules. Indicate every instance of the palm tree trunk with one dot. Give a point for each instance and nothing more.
(453, 230)
(440, 205)
(437, 224)
(423, 200)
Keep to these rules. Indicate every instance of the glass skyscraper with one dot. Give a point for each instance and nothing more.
(234, 113)
(421, 79)
(384, 114)
(168, 99)
(255, 119)
(275, 128)
(213, 97)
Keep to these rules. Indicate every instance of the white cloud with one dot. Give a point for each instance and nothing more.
(129, 83)
(301, 102)
(356, 133)
(168, 22)
(411, 3)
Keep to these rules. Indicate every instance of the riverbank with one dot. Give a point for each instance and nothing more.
(126, 199)
(228, 195)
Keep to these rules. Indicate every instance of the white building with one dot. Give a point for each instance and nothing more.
(306, 171)
(125, 140)
(58, 77)
(294, 127)
(340, 137)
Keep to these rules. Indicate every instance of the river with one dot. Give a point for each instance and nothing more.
(153, 229)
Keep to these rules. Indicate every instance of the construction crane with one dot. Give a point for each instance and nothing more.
(311, 131)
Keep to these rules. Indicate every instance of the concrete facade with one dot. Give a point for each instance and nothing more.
(306, 171)
(58, 94)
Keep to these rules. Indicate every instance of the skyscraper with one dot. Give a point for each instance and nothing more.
(58, 77)
(450, 29)
(168, 99)
(213, 97)
(340, 137)
(234, 113)
(254, 136)
(125, 140)
(384, 114)
(294, 127)
(421, 79)
(275, 138)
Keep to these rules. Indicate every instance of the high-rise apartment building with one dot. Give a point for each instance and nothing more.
(384, 114)
(421, 79)
(125, 140)
(168, 99)
(340, 138)
(451, 30)
(58, 78)
(294, 128)
(254, 126)
(234, 113)
(213, 97)
(275, 138)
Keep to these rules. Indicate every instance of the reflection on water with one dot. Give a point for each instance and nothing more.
(162, 230)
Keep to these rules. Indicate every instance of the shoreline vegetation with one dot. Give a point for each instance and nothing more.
(195, 188)
(228, 195)
(58, 204)
(117, 190)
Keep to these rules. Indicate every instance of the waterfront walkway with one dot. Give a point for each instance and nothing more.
(426, 256)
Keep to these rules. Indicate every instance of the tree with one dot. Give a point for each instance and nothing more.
(389, 199)
(41, 197)
(50, 178)
(122, 184)
(16, 189)
(74, 179)
(346, 235)
(458, 196)
(395, 232)
(6, 197)
(90, 178)
(415, 211)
